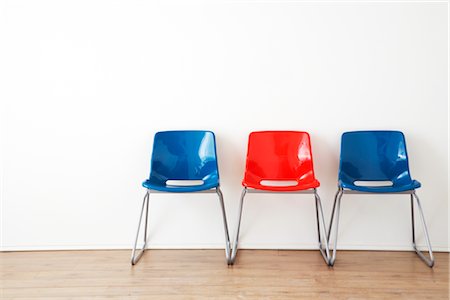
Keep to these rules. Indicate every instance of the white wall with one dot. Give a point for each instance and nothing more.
(84, 85)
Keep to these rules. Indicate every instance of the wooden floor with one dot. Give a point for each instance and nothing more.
(203, 274)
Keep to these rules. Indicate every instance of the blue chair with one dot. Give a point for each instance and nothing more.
(182, 162)
(376, 162)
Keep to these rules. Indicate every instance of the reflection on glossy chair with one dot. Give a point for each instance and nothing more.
(284, 159)
(376, 156)
(182, 162)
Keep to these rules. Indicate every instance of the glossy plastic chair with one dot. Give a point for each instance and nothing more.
(285, 159)
(376, 162)
(182, 162)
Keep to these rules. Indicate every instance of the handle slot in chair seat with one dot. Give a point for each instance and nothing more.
(278, 182)
(373, 183)
(184, 182)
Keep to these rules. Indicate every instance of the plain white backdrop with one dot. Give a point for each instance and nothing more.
(84, 85)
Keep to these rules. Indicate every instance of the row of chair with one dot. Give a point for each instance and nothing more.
(281, 162)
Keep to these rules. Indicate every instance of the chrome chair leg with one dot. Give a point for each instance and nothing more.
(236, 241)
(326, 253)
(336, 210)
(225, 225)
(135, 258)
(429, 261)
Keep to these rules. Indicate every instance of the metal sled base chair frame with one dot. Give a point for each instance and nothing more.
(325, 252)
(336, 210)
(137, 253)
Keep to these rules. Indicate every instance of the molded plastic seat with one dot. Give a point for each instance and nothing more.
(183, 155)
(375, 156)
(279, 156)
(282, 156)
(369, 157)
(179, 156)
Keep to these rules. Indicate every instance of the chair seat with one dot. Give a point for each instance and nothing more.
(409, 186)
(299, 187)
(161, 186)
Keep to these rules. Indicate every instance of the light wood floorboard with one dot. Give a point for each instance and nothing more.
(203, 274)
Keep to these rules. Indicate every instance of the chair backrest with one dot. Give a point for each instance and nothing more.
(184, 155)
(374, 156)
(279, 155)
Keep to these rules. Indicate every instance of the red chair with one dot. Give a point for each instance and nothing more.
(281, 162)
